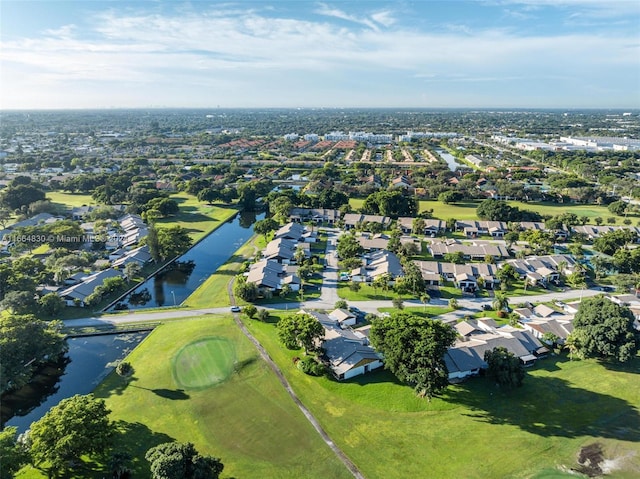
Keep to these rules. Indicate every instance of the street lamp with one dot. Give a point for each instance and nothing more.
(173, 293)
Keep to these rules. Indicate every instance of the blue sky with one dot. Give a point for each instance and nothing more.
(419, 54)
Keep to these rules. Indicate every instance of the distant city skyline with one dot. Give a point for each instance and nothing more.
(365, 54)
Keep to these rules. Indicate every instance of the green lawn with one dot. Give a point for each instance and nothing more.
(366, 293)
(213, 292)
(424, 311)
(197, 217)
(66, 201)
(467, 210)
(475, 430)
(211, 388)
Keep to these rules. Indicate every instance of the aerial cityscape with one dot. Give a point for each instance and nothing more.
(320, 239)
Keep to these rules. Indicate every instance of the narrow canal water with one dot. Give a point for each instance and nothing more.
(174, 284)
(88, 362)
(449, 158)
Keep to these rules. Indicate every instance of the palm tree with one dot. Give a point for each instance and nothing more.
(562, 265)
(572, 343)
(424, 299)
(500, 302)
(285, 290)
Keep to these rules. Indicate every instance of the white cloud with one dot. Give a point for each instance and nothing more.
(591, 8)
(232, 49)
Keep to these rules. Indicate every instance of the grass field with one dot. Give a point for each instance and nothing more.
(476, 430)
(66, 201)
(467, 210)
(201, 380)
(213, 292)
(203, 363)
(198, 218)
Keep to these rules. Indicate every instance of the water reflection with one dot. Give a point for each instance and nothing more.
(246, 219)
(87, 362)
(174, 284)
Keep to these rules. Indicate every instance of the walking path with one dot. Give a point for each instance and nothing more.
(278, 372)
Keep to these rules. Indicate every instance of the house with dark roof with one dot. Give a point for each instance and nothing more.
(466, 357)
(317, 215)
(347, 353)
(76, 294)
(271, 275)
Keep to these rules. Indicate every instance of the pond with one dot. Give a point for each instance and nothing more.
(449, 158)
(89, 360)
(174, 284)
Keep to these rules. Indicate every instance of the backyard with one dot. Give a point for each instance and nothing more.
(476, 430)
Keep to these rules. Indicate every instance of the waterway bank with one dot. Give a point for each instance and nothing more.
(451, 160)
(88, 361)
(177, 281)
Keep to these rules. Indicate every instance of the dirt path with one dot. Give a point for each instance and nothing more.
(310, 417)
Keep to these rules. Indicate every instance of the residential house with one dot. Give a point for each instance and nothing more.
(466, 276)
(77, 293)
(271, 275)
(284, 250)
(473, 251)
(352, 220)
(317, 215)
(79, 213)
(543, 270)
(348, 354)
(432, 227)
(295, 232)
(344, 317)
(378, 263)
(466, 357)
(140, 255)
(401, 181)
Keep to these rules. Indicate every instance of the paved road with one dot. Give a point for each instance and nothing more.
(327, 301)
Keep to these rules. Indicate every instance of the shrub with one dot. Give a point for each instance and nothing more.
(310, 366)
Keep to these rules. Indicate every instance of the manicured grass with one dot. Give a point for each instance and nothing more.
(205, 362)
(475, 430)
(247, 420)
(66, 201)
(366, 293)
(424, 311)
(518, 289)
(213, 292)
(199, 218)
(467, 210)
(71, 199)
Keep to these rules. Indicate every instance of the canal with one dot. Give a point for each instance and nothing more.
(174, 284)
(449, 158)
(88, 362)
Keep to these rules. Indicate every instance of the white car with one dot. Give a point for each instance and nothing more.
(235, 309)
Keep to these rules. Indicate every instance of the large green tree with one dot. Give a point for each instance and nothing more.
(25, 342)
(13, 454)
(604, 330)
(174, 460)
(414, 350)
(173, 241)
(390, 203)
(78, 426)
(300, 330)
(504, 367)
(15, 197)
(348, 246)
(265, 226)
